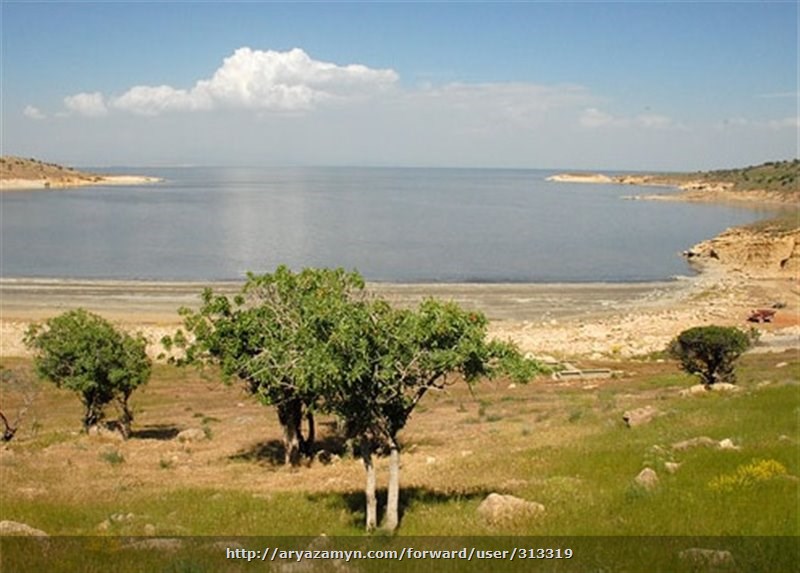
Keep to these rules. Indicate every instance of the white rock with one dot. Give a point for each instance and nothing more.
(724, 387)
(647, 479)
(639, 416)
(16, 528)
(497, 508)
(727, 444)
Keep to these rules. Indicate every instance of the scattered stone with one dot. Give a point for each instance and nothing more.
(430, 460)
(639, 416)
(696, 390)
(105, 433)
(647, 479)
(192, 435)
(781, 365)
(672, 467)
(149, 529)
(466, 453)
(702, 441)
(158, 543)
(727, 444)
(724, 387)
(785, 438)
(512, 386)
(104, 525)
(20, 529)
(707, 557)
(497, 508)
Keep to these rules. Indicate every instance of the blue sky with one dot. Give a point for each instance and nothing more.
(590, 85)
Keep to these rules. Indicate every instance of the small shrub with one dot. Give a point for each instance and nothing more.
(746, 476)
(710, 352)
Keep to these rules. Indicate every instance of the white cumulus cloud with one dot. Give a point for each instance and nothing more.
(253, 80)
(88, 104)
(32, 112)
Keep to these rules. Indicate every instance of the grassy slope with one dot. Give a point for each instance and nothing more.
(563, 446)
(780, 176)
(23, 168)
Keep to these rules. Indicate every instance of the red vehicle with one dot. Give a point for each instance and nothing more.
(762, 315)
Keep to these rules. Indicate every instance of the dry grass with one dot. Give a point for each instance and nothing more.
(534, 441)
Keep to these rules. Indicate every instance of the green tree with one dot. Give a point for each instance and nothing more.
(274, 335)
(710, 352)
(392, 359)
(314, 342)
(84, 353)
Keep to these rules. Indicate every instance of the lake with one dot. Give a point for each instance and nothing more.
(392, 224)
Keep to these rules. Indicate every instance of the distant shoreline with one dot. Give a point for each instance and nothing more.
(25, 174)
(48, 184)
(690, 190)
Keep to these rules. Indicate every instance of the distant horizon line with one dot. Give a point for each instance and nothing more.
(288, 165)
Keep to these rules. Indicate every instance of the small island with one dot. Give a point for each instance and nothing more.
(21, 174)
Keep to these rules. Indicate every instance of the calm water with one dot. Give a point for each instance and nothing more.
(392, 224)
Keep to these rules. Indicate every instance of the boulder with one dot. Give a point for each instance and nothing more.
(639, 416)
(696, 390)
(701, 441)
(647, 479)
(19, 529)
(724, 387)
(499, 508)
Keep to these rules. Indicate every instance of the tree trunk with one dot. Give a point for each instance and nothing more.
(307, 444)
(126, 417)
(290, 415)
(369, 488)
(393, 499)
(92, 414)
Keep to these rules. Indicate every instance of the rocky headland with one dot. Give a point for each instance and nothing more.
(21, 174)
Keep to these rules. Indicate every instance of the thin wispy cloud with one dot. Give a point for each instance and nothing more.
(594, 118)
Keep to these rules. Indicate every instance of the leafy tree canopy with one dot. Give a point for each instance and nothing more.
(84, 353)
(710, 352)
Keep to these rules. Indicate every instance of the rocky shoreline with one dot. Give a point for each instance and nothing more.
(19, 174)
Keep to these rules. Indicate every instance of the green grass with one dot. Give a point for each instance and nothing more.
(564, 447)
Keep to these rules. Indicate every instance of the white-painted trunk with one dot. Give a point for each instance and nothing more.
(393, 499)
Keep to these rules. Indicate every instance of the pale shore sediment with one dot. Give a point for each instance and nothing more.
(561, 320)
(581, 178)
(48, 184)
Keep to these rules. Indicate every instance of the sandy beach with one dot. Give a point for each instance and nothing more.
(47, 184)
(590, 321)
